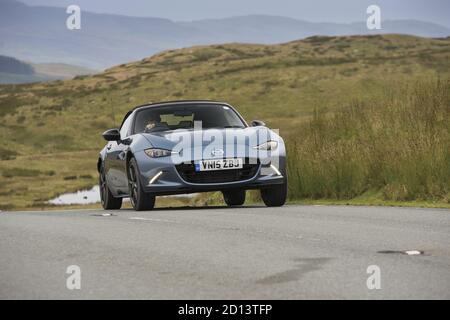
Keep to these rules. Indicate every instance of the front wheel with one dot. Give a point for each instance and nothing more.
(139, 199)
(106, 197)
(234, 197)
(275, 196)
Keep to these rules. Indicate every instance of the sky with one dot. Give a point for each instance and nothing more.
(343, 11)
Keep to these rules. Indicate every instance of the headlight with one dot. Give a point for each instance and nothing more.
(269, 145)
(157, 153)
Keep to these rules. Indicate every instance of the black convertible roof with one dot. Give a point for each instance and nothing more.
(176, 102)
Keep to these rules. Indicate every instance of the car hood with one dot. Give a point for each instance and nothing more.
(169, 139)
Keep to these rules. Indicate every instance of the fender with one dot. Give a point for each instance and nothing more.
(101, 158)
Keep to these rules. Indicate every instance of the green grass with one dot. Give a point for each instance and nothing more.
(399, 145)
(357, 113)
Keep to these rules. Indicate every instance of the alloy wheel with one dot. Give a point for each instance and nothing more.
(132, 181)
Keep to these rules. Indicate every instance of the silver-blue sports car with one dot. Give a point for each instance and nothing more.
(187, 147)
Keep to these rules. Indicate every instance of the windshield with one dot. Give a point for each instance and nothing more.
(173, 117)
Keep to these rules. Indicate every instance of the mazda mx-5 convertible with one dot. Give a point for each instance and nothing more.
(186, 147)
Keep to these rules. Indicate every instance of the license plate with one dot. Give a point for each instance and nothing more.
(219, 164)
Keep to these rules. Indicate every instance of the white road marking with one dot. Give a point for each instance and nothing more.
(412, 252)
(55, 210)
(149, 219)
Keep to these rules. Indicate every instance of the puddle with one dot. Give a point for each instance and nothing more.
(187, 195)
(79, 197)
(93, 196)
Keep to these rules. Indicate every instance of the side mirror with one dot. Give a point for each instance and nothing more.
(111, 135)
(257, 123)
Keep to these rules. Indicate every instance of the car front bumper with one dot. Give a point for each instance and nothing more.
(160, 176)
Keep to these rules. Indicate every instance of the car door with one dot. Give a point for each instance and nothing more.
(116, 151)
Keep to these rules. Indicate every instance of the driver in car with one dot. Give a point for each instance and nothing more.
(154, 121)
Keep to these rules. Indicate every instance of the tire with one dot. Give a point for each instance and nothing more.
(109, 202)
(234, 197)
(139, 199)
(275, 196)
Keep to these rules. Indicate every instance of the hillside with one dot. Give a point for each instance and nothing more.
(51, 132)
(39, 34)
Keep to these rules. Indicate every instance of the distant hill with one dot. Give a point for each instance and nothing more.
(11, 65)
(61, 70)
(273, 29)
(16, 71)
(39, 34)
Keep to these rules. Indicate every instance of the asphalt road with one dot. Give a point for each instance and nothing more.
(293, 252)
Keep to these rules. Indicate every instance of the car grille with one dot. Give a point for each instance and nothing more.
(188, 173)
